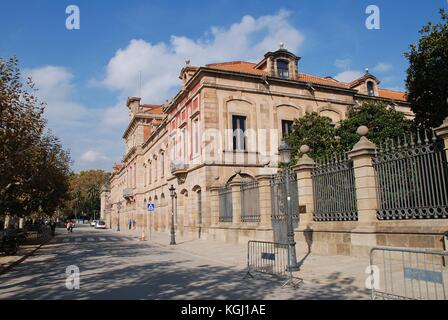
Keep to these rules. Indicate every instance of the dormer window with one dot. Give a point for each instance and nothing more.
(370, 89)
(283, 69)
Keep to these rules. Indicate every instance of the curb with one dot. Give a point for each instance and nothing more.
(3, 270)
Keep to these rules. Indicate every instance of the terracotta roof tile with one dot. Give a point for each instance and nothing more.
(237, 66)
(249, 67)
(152, 108)
(391, 94)
(323, 81)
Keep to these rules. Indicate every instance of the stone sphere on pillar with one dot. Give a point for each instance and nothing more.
(304, 149)
(362, 131)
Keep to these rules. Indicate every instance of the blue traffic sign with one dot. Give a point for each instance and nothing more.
(151, 207)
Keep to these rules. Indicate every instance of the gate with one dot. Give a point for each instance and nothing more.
(408, 274)
(279, 216)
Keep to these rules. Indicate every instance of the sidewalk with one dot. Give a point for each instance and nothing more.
(341, 273)
(24, 251)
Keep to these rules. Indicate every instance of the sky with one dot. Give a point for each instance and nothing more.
(85, 75)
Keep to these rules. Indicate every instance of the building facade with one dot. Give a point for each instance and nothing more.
(224, 125)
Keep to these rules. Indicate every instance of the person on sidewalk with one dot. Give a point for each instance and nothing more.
(130, 224)
(53, 228)
(133, 224)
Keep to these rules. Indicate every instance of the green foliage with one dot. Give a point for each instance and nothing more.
(383, 124)
(427, 75)
(85, 188)
(315, 131)
(324, 140)
(34, 168)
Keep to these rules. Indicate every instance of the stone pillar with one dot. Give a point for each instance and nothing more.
(265, 201)
(303, 170)
(214, 205)
(235, 185)
(442, 132)
(363, 236)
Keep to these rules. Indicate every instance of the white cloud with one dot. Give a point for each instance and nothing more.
(159, 64)
(343, 63)
(382, 67)
(94, 134)
(348, 76)
(92, 156)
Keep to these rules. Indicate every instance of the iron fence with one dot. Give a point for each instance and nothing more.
(225, 204)
(408, 274)
(279, 216)
(250, 202)
(412, 176)
(334, 189)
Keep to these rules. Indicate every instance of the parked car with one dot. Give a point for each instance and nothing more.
(100, 225)
(93, 223)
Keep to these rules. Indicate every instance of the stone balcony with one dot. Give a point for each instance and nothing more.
(128, 193)
(179, 167)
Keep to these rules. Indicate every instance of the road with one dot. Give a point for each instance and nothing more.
(115, 266)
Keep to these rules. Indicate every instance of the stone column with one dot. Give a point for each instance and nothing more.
(442, 132)
(214, 205)
(363, 236)
(265, 201)
(303, 170)
(235, 185)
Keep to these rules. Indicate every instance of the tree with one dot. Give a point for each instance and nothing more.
(325, 140)
(428, 73)
(85, 192)
(34, 168)
(315, 131)
(383, 123)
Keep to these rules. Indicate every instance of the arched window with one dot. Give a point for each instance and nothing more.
(370, 89)
(283, 69)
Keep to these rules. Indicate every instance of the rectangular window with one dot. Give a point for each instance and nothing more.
(195, 137)
(163, 164)
(184, 144)
(286, 128)
(173, 148)
(239, 132)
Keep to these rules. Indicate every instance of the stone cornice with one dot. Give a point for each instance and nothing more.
(137, 117)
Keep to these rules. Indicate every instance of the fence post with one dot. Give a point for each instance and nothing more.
(235, 185)
(265, 200)
(442, 132)
(366, 193)
(303, 170)
(214, 205)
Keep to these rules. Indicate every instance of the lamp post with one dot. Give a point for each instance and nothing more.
(172, 195)
(285, 158)
(118, 213)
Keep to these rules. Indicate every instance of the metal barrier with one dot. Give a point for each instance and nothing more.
(270, 258)
(408, 274)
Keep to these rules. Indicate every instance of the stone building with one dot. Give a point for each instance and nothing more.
(224, 125)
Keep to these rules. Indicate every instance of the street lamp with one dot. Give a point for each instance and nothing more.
(172, 195)
(285, 158)
(118, 213)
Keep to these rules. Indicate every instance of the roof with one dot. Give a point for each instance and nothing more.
(152, 108)
(250, 68)
(238, 66)
(394, 95)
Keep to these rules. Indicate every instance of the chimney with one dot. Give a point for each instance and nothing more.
(133, 106)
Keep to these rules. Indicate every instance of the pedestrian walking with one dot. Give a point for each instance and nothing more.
(130, 224)
(133, 224)
(53, 228)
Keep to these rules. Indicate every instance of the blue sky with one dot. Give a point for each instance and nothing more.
(85, 75)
